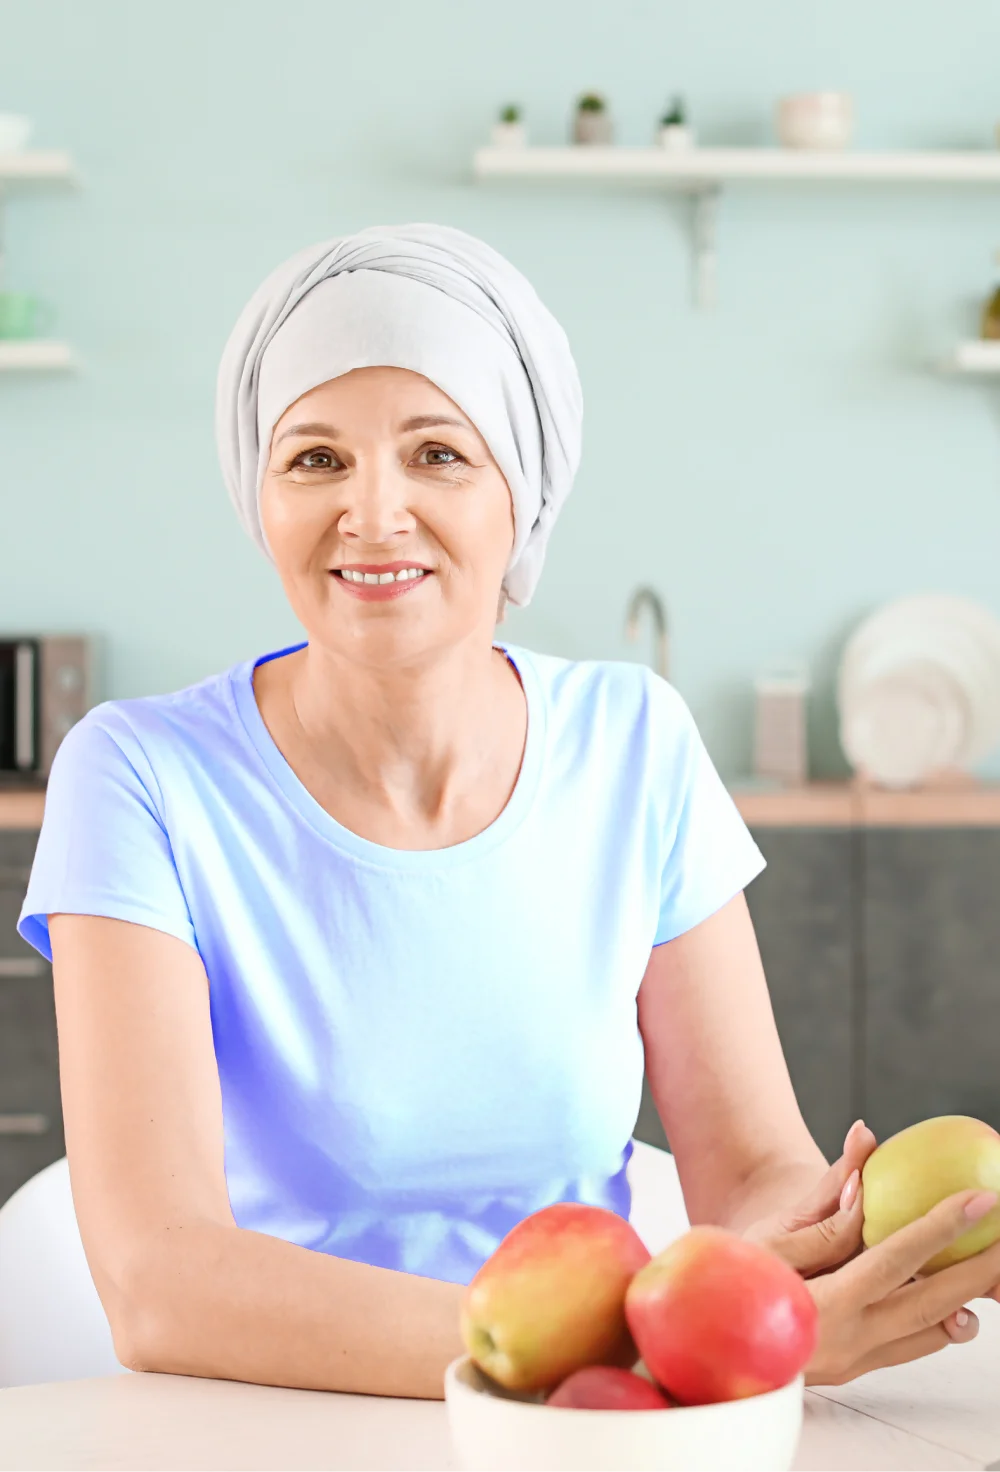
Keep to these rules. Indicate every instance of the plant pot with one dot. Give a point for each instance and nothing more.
(675, 136)
(509, 135)
(593, 127)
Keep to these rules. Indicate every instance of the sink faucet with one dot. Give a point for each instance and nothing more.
(649, 598)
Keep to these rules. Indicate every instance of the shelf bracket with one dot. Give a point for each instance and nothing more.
(705, 234)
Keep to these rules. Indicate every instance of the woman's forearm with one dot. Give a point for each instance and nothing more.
(772, 1188)
(232, 1304)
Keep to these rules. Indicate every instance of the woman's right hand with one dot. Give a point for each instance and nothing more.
(874, 1311)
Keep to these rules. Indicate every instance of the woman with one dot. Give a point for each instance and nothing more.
(360, 947)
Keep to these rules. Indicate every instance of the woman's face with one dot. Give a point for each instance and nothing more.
(373, 472)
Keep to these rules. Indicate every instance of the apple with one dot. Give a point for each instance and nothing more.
(914, 1170)
(551, 1298)
(718, 1318)
(604, 1388)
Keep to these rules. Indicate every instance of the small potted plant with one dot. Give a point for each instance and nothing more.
(509, 130)
(673, 131)
(592, 123)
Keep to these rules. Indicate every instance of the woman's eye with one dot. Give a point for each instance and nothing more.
(441, 455)
(316, 460)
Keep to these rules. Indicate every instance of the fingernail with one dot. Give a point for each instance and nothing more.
(961, 1318)
(980, 1204)
(850, 1191)
(858, 1124)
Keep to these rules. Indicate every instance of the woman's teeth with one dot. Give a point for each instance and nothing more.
(382, 577)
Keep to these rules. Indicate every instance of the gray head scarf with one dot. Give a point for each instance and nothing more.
(440, 303)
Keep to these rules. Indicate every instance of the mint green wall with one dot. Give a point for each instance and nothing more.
(776, 469)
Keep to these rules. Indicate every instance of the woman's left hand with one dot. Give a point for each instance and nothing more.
(824, 1229)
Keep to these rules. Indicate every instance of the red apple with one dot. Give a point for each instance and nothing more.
(604, 1388)
(718, 1318)
(551, 1299)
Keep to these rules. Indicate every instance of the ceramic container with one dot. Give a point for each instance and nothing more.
(592, 127)
(815, 120)
(497, 1432)
(675, 136)
(509, 135)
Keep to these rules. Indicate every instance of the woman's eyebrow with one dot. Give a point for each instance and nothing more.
(307, 429)
(419, 421)
(427, 421)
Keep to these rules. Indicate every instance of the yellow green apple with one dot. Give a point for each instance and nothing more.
(911, 1172)
(551, 1298)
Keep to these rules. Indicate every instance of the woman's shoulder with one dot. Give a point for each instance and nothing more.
(615, 693)
(135, 728)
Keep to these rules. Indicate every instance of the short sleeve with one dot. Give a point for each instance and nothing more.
(103, 848)
(708, 852)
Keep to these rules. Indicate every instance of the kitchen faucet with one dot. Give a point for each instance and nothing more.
(649, 598)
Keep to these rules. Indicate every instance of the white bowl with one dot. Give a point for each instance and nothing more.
(815, 120)
(497, 1431)
(15, 131)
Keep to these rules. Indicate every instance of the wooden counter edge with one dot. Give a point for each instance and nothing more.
(851, 804)
(815, 805)
(21, 809)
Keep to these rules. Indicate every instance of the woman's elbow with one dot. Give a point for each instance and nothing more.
(144, 1320)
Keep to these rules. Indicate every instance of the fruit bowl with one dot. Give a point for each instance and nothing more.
(496, 1430)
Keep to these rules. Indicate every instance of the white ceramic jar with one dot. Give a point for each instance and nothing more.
(815, 120)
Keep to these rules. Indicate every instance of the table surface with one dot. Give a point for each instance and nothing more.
(938, 1413)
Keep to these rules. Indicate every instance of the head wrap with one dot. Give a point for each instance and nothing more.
(440, 303)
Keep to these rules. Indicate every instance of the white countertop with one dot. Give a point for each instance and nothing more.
(939, 1413)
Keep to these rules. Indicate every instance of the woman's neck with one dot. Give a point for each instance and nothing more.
(417, 756)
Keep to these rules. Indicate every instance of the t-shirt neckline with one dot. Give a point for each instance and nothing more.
(345, 839)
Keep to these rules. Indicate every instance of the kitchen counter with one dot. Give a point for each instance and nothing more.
(939, 1413)
(21, 807)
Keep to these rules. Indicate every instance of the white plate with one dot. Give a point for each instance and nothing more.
(960, 636)
(906, 724)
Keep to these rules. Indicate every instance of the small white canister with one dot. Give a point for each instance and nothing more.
(815, 120)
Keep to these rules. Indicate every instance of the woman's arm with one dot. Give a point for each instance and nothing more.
(186, 1290)
(718, 1075)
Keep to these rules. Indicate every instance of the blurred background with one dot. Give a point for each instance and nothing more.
(775, 467)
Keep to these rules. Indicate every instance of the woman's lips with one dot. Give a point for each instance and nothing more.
(379, 592)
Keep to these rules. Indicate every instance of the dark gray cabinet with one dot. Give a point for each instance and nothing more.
(31, 1133)
(803, 908)
(931, 958)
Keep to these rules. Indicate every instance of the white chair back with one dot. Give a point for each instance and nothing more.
(52, 1324)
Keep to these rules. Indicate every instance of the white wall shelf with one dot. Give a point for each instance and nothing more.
(34, 354)
(701, 166)
(979, 356)
(701, 172)
(35, 165)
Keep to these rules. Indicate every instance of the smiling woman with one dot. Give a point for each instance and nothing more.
(360, 947)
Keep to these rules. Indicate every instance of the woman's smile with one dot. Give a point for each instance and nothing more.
(375, 582)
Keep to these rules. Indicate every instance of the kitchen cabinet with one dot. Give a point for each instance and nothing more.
(931, 958)
(31, 1133)
(878, 922)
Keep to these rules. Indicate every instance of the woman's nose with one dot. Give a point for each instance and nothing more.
(376, 503)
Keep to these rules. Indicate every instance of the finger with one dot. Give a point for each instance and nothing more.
(880, 1270)
(825, 1244)
(931, 1300)
(917, 1346)
(823, 1200)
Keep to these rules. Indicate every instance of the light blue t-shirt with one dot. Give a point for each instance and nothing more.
(416, 1049)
